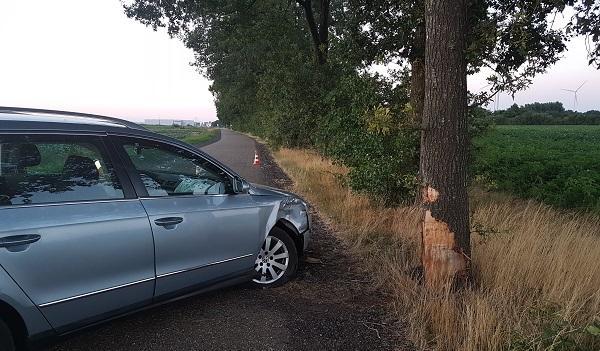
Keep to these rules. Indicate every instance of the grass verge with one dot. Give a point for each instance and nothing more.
(537, 269)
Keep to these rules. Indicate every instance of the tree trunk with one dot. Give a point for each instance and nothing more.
(324, 29)
(444, 147)
(319, 32)
(417, 74)
(417, 82)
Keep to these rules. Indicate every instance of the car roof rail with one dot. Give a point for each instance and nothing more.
(26, 110)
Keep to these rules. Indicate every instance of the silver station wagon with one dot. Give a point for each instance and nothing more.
(101, 217)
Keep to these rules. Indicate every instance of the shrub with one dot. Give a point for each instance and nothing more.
(367, 130)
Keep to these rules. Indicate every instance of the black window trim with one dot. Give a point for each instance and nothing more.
(136, 180)
(106, 147)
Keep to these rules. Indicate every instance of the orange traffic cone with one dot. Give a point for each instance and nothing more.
(256, 160)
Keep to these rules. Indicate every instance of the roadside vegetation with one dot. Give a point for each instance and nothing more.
(536, 267)
(300, 75)
(188, 134)
(558, 165)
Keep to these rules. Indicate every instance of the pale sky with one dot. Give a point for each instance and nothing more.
(568, 73)
(87, 56)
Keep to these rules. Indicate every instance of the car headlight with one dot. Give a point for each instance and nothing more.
(295, 210)
(293, 201)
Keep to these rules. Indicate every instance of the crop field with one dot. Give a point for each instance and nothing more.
(190, 135)
(558, 165)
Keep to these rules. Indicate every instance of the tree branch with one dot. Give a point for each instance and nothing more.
(324, 28)
(314, 30)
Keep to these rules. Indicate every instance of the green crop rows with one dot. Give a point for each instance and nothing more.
(559, 165)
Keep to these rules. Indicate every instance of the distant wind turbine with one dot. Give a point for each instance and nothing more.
(575, 94)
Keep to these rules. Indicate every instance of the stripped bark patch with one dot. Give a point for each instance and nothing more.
(441, 259)
(430, 195)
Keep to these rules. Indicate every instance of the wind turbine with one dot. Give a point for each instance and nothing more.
(575, 94)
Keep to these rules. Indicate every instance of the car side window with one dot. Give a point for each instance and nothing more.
(41, 169)
(166, 170)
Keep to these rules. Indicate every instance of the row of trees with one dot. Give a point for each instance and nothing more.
(300, 74)
(544, 113)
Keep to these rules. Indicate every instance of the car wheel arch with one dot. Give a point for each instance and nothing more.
(289, 228)
(15, 322)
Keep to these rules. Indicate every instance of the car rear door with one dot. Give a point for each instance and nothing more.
(203, 232)
(74, 236)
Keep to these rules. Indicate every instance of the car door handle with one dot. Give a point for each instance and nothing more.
(168, 221)
(17, 240)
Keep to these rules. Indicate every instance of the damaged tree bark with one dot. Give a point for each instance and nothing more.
(444, 147)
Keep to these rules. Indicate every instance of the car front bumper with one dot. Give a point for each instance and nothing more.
(306, 239)
(306, 235)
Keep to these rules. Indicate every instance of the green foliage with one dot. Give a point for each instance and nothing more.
(593, 329)
(554, 332)
(512, 39)
(549, 113)
(188, 134)
(260, 56)
(380, 121)
(586, 22)
(366, 130)
(554, 164)
(479, 121)
(265, 81)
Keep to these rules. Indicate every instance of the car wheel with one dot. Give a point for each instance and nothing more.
(6, 339)
(277, 260)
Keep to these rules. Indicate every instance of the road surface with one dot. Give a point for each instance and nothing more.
(329, 306)
(237, 152)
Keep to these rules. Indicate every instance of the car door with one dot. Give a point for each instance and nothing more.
(74, 236)
(203, 232)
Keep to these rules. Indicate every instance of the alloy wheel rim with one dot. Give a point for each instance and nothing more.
(272, 261)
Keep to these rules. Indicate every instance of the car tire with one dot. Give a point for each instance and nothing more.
(6, 339)
(277, 260)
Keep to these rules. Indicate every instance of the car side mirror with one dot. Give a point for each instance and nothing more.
(241, 186)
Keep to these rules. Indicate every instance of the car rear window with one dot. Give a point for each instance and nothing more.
(47, 169)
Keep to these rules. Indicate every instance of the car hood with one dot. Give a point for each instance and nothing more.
(258, 189)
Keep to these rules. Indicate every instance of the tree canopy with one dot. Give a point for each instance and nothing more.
(299, 73)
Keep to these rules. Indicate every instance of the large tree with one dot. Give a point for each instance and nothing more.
(444, 144)
(524, 43)
(510, 40)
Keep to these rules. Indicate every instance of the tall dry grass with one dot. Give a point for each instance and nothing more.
(537, 269)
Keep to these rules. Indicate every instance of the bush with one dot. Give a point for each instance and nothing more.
(367, 130)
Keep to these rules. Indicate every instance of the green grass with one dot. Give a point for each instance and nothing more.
(190, 135)
(558, 165)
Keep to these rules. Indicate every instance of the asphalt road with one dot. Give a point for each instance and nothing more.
(237, 152)
(330, 305)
